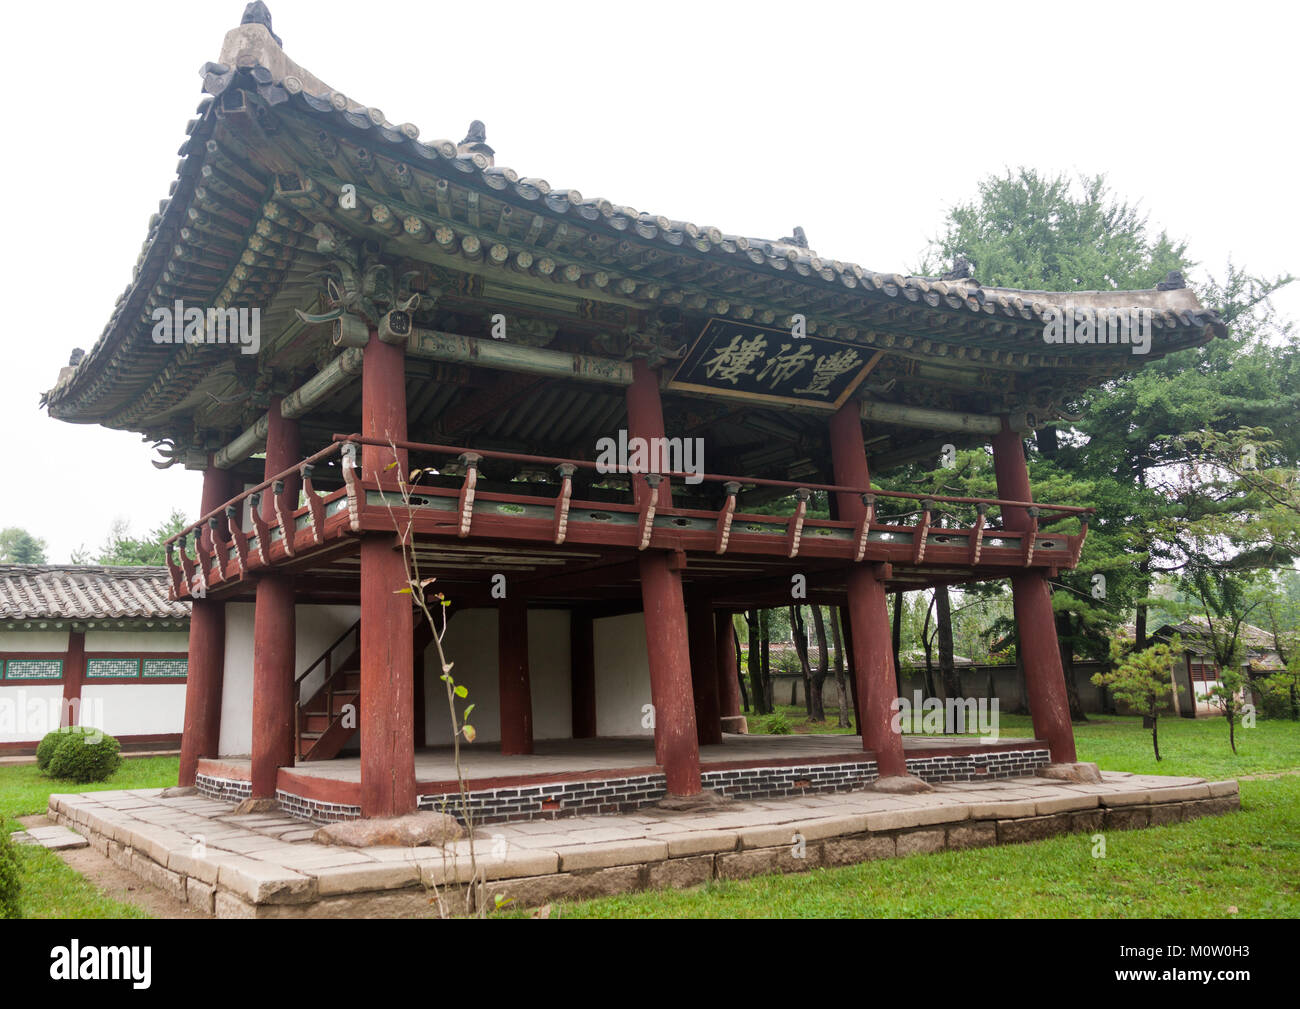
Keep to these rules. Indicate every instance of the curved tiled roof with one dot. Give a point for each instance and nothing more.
(121, 384)
(86, 592)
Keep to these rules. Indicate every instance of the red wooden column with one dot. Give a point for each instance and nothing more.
(724, 649)
(676, 743)
(387, 623)
(670, 674)
(873, 660)
(74, 674)
(702, 639)
(1049, 705)
(582, 673)
(512, 676)
(274, 664)
(207, 650)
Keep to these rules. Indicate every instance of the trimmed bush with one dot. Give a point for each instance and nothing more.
(9, 885)
(86, 757)
(45, 749)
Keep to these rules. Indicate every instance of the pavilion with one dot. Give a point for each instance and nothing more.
(347, 301)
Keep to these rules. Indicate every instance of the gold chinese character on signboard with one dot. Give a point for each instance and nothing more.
(787, 364)
(828, 368)
(738, 358)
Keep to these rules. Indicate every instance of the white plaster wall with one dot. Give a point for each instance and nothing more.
(137, 641)
(237, 682)
(28, 711)
(133, 709)
(315, 627)
(471, 643)
(549, 673)
(622, 675)
(34, 641)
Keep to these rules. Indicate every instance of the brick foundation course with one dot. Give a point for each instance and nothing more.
(241, 866)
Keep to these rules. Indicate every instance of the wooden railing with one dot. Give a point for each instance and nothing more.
(190, 576)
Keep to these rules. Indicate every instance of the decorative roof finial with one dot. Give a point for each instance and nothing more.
(961, 269)
(798, 239)
(1173, 282)
(257, 13)
(75, 357)
(475, 141)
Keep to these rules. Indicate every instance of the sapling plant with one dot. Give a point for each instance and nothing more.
(1142, 681)
(433, 607)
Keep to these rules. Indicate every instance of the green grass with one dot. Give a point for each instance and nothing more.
(50, 889)
(1247, 861)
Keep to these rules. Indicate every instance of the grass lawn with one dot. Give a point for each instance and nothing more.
(1244, 864)
(50, 889)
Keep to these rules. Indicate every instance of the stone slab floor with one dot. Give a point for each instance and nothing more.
(199, 850)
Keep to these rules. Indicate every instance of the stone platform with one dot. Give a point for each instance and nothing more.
(265, 865)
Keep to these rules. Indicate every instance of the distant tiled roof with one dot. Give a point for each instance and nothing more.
(85, 592)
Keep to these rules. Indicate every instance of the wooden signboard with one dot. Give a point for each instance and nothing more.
(762, 364)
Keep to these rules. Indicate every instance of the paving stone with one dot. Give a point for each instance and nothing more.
(264, 883)
(901, 819)
(459, 869)
(1221, 788)
(698, 842)
(1065, 803)
(1002, 810)
(1130, 797)
(1180, 793)
(603, 855)
(339, 879)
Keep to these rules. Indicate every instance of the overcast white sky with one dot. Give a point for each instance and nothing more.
(862, 122)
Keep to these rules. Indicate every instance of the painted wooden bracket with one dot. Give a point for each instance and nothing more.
(287, 529)
(647, 523)
(1076, 542)
(315, 510)
(465, 504)
(864, 526)
(174, 573)
(1029, 536)
(238, 538)
(794, 528)
(187, 565)
(922, 533)
(724, 517)
(977, 534)
(350, 481)
(261, 528)
(566, 471)
(218, 548)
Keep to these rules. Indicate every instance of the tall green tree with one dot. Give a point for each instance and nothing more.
(18, 546)
(121, 549)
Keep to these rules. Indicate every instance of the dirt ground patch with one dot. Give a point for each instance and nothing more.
(115, 882)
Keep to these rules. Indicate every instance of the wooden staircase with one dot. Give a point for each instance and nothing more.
(322, 723)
